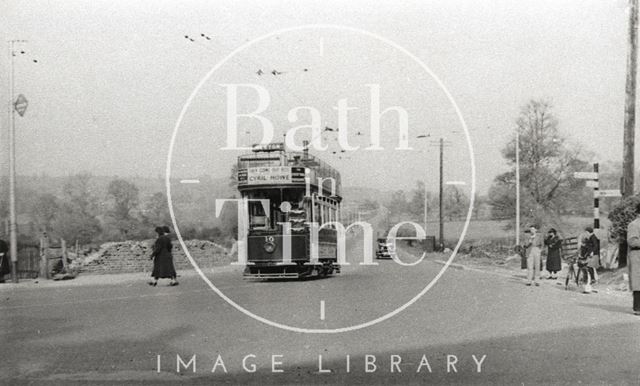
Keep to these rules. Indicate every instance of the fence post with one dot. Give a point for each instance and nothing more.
(63, 244)
(44, 257)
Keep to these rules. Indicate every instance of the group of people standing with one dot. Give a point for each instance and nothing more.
(534, 245)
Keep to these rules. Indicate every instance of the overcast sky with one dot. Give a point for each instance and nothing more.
(112, 78)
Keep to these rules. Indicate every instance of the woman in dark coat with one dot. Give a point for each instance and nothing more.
(554, 251)
(163, 267)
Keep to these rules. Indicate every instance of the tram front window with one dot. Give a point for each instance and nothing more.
(259, 220)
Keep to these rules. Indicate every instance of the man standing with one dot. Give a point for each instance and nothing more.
(633, 259)
(534, 249)
(591, 251)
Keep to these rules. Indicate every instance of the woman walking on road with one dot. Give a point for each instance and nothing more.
(163, 267)
(554, 250)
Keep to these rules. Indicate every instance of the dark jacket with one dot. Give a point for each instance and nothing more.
(590, 250)
(554, 253)
(5, 263)
(163, 259)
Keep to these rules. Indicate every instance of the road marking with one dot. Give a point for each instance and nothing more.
(321, 309)
(321, 46)
(189, 181)
(455, 183)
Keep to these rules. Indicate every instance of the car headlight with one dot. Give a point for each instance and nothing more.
(269, 247)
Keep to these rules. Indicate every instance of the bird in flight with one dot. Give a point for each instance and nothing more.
(259, 72)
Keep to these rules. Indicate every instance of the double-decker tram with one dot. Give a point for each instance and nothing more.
(284, 193)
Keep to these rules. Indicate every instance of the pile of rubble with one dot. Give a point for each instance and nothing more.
(135, 256)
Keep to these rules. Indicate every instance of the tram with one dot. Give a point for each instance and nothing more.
(296, 189)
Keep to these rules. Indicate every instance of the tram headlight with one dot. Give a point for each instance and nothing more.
(269, 247)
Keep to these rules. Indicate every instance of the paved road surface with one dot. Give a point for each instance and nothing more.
(109, 333)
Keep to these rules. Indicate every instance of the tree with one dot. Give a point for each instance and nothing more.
(398, 204)
(369, 205)
(156, 210)
(416, 204)
(455, 202)
(43, 211)
(621, 215)
(121, 217)
(547, 164)
(125, 198)
(76, 219)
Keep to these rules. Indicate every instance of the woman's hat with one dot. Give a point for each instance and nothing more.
(159, 230)
(552, 230)
(166, 229)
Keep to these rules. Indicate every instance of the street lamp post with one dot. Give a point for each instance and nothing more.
(18, 106)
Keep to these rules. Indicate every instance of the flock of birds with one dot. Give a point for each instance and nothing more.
(23, 53)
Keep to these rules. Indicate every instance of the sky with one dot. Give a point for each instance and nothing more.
(113, 78)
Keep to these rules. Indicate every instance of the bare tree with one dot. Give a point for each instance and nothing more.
(547, 164)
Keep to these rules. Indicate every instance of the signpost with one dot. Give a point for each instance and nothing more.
(608, 193)
(586, 175)
(593, 182)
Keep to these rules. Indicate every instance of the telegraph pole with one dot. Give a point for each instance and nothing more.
(441, 235)
(518, 186)
(426, 203)
(13, 238)
(630, 102)
(596, 198)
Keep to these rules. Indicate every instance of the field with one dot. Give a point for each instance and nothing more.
(503, 231)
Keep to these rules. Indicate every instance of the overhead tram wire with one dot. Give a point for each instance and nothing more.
(240, 63)
(197, 40)
(235, 58)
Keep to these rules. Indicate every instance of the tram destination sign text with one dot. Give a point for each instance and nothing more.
(271, 175)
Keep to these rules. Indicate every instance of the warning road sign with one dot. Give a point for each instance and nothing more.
(21, 104)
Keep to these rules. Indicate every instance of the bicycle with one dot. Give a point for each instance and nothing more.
(577, 272)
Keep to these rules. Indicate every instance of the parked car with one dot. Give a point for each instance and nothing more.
(385, 249)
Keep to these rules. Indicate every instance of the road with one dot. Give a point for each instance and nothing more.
(113, 333)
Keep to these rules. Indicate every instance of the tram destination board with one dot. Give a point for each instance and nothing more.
(271, 175)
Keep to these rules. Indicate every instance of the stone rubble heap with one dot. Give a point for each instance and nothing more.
(134, 256)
